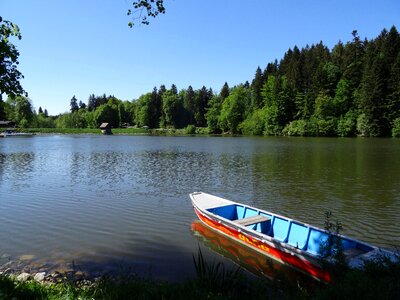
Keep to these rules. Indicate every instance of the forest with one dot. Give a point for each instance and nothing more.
(351, 90)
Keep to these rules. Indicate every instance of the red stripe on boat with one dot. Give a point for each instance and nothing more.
(282, 256)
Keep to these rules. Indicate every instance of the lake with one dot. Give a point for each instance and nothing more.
(104, 203)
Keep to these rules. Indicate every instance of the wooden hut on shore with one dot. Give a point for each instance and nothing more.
(105, 128)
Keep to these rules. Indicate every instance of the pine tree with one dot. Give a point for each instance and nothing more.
(256, 86)
(189, 105)
(371, 99)
(74, 104)
(224, 91)
(354, 61)
(82, 105)
(155, 107)
(202, 99)
(91, 103)
(394, 88)
(392, 46)
(174, 89)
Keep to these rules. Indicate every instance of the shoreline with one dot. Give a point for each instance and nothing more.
(26, 269)
(198, 131)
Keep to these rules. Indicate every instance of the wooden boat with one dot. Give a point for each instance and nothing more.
(288, 241)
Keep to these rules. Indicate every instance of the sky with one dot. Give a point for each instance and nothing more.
(83, 47)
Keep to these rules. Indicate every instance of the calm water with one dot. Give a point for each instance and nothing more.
(107, 202)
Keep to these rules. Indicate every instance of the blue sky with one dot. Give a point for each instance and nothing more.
(83, 47)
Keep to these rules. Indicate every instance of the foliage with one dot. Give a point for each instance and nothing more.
(233, 109)
(351, 90)
(172, 106)
(107, 113)
(9, 74)
(41, 121)
(363, 127)
(396, 128)
(378, 279)
(20, 110)
(346, 125)
(144, 9)
(332, 249)
(327, 127)
(214, 111)
(190, 129)
(214, 277)
(143, 113)
(295, 128)
(72, 120)
(254, 123)
(74, 104)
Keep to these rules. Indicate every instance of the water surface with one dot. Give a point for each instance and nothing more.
(108, 202)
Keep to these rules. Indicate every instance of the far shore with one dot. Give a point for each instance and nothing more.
(203, 131)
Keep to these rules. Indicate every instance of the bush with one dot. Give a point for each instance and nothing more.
(254, 124)
(190, 129)
(377, 279)
(295, 128)
(327, 127)
(347, 125)
(396, 128)
(43, 122)
(312, 127)
(362, 125)
(203, 130)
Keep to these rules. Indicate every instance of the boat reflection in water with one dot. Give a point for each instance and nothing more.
(247, 258)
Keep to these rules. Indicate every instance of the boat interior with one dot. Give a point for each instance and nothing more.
(294, 233)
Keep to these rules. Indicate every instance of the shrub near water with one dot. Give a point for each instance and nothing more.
(396, 128)
(379, 279)
(190, 129)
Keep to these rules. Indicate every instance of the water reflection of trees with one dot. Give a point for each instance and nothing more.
(183, 172)
(354, 178)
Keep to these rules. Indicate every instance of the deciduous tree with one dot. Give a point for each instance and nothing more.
(9, 74)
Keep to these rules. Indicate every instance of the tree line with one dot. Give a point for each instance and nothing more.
(353, 89)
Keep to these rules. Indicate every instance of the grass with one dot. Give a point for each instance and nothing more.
(378, 279)
(130, 288)
(213, 281)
